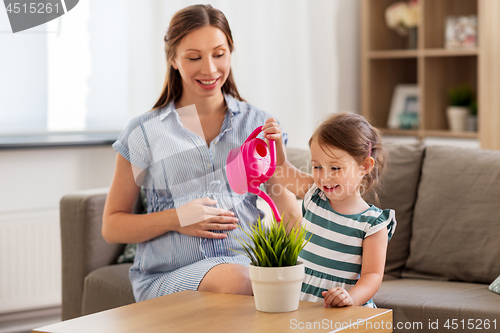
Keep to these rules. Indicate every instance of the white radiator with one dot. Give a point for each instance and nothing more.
(30, 260)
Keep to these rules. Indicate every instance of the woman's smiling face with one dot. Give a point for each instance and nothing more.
(336, 173)
(204, 61)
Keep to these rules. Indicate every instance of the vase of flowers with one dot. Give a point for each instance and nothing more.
(403, 18)
(274, 271)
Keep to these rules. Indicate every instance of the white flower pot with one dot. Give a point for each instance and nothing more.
(277, 289)
(457, 118)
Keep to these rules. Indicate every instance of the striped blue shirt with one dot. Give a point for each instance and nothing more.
(179, 167)
(333, 256)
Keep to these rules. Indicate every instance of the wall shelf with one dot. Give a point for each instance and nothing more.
(395, 54)
(386, 63)
(429, 133)
(396, 132)
(450, 53)
(389, 54)
(449, 134)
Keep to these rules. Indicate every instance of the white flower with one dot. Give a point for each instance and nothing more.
(402, 16)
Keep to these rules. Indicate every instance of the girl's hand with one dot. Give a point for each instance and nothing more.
(338, 297)
(272, 131)
(197, 218)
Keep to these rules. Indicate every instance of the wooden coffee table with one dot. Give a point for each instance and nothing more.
(193, 311)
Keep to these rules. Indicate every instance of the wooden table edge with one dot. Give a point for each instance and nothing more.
(369, 324)
(382, 326)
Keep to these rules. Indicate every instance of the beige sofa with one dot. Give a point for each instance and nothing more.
(440, 261)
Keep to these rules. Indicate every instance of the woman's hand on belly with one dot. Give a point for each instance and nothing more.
(197, 218)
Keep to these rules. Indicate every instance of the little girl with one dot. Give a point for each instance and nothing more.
(345, 258)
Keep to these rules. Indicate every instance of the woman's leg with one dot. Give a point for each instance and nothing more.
(227, 279)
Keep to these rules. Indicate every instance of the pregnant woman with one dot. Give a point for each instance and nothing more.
(177, 153)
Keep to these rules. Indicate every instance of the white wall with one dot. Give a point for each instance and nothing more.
(32, 182)
(298, 60)
(38, 178)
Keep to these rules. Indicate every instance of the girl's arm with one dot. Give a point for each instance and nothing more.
(372, 269)
(120, 225)
(296, 181)
(285, 201)
(372, 273)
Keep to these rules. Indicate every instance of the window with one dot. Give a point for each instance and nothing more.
(70, 74)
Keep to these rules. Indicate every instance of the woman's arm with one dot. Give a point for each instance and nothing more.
(120, 225)
(372, 269)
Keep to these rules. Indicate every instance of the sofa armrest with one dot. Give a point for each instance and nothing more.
(82, 246)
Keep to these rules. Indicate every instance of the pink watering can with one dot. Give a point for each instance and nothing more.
(250, 165)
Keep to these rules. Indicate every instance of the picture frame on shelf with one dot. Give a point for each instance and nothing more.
(404, 112)
(461, 32)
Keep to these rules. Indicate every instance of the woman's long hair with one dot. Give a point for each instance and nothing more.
(183, 22)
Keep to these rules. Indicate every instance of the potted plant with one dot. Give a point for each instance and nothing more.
(472, 120)
(274, 271)
(460, 100)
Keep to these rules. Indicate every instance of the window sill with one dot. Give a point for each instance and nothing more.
(57, 140)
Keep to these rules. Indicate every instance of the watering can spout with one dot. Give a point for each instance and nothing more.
(270, 202)
(252, 164)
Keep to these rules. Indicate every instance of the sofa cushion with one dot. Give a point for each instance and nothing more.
(128, 254)
(424, 301)
(456, 224)
(495, 286)
(398, 191)
(300, 158)
(106, 288)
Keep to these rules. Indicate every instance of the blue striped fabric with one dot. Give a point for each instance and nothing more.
(333, 256)
(180, 167)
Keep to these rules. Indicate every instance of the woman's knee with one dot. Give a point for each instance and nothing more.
(227, 279)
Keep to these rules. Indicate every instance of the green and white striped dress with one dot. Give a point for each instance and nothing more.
(332, 258)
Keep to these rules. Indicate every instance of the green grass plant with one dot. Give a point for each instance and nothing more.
(461, 95)
(273, 246)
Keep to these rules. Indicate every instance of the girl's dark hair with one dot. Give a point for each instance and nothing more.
(182, 23)
(353, 134)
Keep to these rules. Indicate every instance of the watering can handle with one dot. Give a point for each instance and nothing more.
(254, 134)
(272, 166)
(272, 148)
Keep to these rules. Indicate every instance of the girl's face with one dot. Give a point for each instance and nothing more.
(337, 173)
(204, 61)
